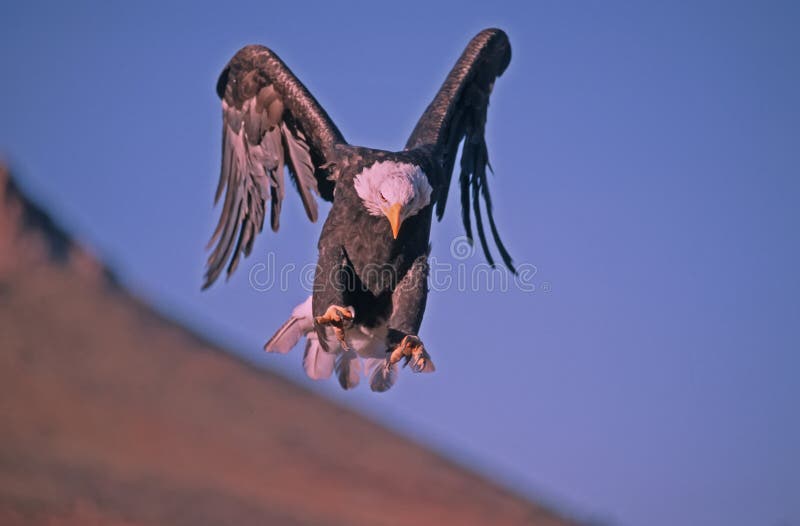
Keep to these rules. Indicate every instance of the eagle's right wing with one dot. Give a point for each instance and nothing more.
(458, 113)
(270, 120)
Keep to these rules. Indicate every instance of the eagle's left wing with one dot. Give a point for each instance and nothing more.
(270, 120)
(458, 113)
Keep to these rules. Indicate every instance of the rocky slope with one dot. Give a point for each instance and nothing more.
(111, 414)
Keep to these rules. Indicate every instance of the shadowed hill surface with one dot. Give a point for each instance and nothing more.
(110, 414)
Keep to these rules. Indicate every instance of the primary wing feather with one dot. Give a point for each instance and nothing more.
(458, 113)
(270, 121)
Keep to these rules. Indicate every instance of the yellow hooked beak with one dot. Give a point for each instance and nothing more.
(393, 215)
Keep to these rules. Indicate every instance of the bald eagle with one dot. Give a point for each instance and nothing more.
(370, 285)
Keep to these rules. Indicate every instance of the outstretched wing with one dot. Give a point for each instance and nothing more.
(458, 112)
(270, 120)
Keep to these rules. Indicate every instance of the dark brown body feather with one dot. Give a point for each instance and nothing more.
(370, 261)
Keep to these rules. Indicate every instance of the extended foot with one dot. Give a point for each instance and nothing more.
(340, 319)
(412, 349)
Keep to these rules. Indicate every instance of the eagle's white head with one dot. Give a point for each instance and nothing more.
(395, 190)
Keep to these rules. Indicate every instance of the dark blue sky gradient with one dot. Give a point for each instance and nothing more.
(647, 162)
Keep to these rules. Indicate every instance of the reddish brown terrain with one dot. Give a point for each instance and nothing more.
(113, 415)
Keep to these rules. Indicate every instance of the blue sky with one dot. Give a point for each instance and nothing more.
(646, 158)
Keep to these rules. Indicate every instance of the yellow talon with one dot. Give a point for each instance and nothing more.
(339, 318)
(335, 315)
(412, 349)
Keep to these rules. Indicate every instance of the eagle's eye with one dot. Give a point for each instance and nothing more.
(383, 198)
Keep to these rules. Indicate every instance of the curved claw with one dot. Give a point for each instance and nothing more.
(421, 361)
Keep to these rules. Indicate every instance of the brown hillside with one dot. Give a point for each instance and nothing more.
(110, 414)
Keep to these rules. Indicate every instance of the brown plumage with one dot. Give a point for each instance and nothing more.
(270, 120)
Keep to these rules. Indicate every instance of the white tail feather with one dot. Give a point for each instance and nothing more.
(299, 324)
(348, 369)
(383, 376)
(286, 337)
(317, 362)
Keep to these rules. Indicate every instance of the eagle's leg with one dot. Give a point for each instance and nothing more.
(339, 318)
(408, 306)
(328, 303)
